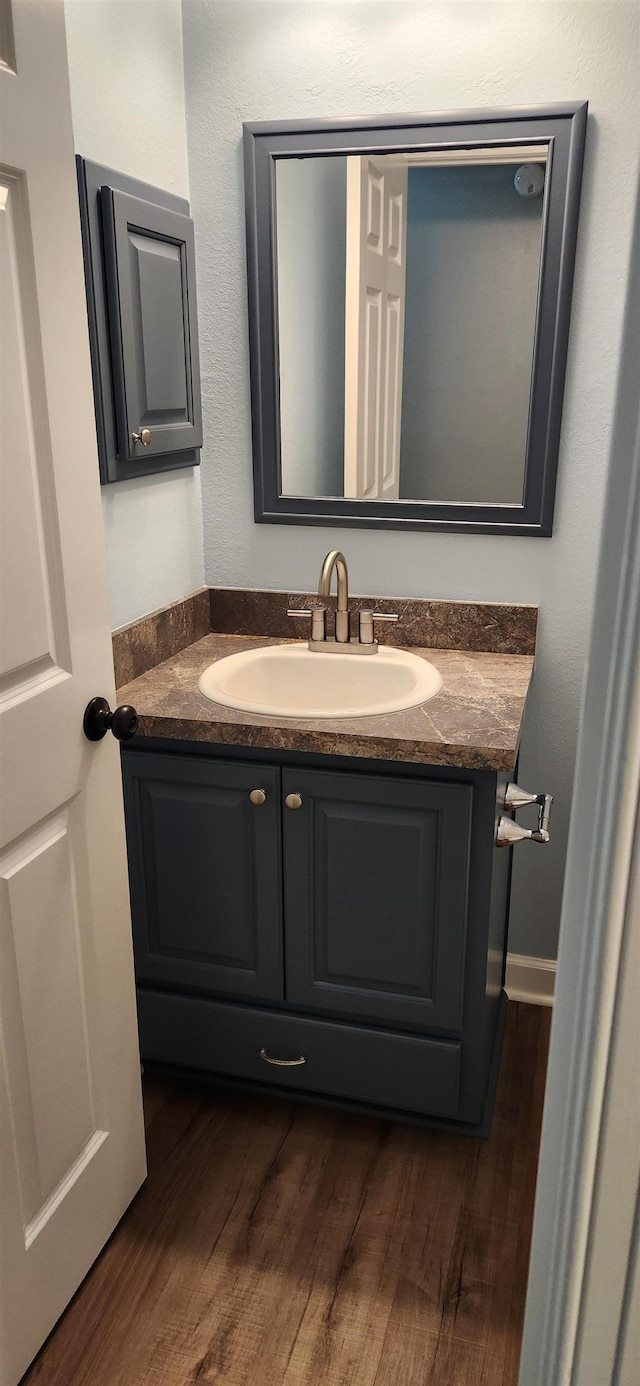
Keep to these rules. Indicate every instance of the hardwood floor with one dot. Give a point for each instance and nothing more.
(283, 1245)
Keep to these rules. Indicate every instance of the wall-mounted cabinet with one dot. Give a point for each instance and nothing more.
(141, 300)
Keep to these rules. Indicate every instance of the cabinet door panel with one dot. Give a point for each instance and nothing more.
(205, 870)
(376, 875)
(150, 267)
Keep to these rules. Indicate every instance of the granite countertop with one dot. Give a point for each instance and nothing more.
(474, 722)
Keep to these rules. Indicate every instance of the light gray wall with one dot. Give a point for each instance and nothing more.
(127, 98)
(311, 220)
(583, 1235)
(473, 262)
(268, 59)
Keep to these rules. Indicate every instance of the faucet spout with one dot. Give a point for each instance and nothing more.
(337, 560)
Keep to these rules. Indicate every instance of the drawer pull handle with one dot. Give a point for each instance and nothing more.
(293, 801)
(282, 1063)
(258, 797)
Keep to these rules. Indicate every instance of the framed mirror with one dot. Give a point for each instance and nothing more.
(409, 285)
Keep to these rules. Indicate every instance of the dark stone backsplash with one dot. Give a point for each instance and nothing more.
(154, 638)
(494, 627)
(491, 626)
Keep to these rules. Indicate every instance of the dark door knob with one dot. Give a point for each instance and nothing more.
(99, 719)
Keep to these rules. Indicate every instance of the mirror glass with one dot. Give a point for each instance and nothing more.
(407, 290)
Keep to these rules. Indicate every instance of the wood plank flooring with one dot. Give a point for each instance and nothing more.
(283, 1245)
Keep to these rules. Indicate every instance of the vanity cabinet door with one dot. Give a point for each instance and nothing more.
(376, 890)
(205, 874)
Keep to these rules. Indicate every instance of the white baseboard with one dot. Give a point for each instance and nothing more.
(530, 979)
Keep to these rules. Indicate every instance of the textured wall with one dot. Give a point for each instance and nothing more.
(473, 258)
(311, 236)
(267, 59)
(127, 95)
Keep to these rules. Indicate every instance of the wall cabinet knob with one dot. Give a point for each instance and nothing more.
(258, 797)
(293, 801)
(144, 437)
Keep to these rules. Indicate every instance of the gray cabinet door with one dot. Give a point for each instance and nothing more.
(376, 885)
(150, 275)
(205, 873)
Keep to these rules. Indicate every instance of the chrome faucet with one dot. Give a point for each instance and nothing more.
(317, 614)
(337, 560)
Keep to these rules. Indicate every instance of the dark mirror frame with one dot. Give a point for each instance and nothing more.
(564, 128)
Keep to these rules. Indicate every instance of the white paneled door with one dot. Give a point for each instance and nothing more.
(71, 1131)
(374, 325)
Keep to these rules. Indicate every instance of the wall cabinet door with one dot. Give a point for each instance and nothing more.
(155, 302)
(376, 886)
(205, 872)
(150, 276)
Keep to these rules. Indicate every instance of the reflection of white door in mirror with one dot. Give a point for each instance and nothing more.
(374, 325)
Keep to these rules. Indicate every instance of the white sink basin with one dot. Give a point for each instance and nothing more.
(293, 681)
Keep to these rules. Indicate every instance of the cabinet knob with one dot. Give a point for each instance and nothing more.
(258, 797)
(144, 437)
(293, 801)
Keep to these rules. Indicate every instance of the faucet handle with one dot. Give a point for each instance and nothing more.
(367, 619)
(317, 615)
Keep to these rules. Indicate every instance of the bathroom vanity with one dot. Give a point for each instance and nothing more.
(320, 908)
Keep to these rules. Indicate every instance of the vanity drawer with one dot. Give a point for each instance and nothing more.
(406, 1072)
